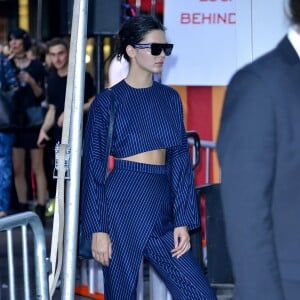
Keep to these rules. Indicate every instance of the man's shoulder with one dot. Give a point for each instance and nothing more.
(265, 67)
(270, 61)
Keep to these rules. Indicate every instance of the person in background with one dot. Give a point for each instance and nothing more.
(259, 153)
(118, 70)
(51, 130)
(148, 204)
(37, 51)
(31, 75)
(48, 62)
(58, 50)
(8, 81)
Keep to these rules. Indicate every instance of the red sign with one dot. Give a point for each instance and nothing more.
(146, 5)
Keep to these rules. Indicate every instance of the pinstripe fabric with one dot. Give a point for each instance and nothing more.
(142, 191)
(146, 119)
(183, 277)
(137, 199)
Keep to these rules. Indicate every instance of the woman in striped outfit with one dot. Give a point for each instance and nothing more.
(147, 205)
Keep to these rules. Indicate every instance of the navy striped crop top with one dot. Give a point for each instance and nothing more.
(146, 119)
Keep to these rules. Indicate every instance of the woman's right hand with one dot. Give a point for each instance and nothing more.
(101, 247)
(42, 139)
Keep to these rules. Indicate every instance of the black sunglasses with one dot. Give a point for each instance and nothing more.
(156, 48)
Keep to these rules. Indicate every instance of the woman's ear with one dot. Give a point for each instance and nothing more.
(130, 51)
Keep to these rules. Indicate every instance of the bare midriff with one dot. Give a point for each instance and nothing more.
(154, 157)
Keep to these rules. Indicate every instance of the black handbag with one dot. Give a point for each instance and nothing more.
(34, 116)
(85, 246)
(7, 110)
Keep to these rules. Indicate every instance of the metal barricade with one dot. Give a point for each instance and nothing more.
(23, 221)
(209, 147)
(215, 258)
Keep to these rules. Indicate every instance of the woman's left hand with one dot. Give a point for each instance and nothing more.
(181, 241)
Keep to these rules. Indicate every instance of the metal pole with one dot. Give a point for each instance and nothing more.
(39, 20)
(138, 7)
(99, 63)
(153, 6)
(77, 66)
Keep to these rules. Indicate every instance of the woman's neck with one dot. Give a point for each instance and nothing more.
(20, 56)
(21, 61)
(139, 80)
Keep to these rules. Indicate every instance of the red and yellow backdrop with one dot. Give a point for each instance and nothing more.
(202, 109)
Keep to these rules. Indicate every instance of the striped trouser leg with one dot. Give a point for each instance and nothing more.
(121, 280)
(137, 199)
(183, 277)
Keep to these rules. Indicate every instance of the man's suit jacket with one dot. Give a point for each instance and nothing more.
(259, 153)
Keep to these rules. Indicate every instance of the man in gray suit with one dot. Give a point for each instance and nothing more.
(259, 153)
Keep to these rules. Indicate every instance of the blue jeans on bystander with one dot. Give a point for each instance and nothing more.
(6, 143)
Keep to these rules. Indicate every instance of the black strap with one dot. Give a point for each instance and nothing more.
(112, 115)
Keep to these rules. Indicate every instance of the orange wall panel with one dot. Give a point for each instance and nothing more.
(217, 105)
(202, 107)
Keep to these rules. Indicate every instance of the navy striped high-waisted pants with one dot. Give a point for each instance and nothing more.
(140, 224)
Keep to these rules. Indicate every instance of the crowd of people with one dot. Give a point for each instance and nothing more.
(37, 75)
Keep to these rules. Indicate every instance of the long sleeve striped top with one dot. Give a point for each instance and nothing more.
(146, 119)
